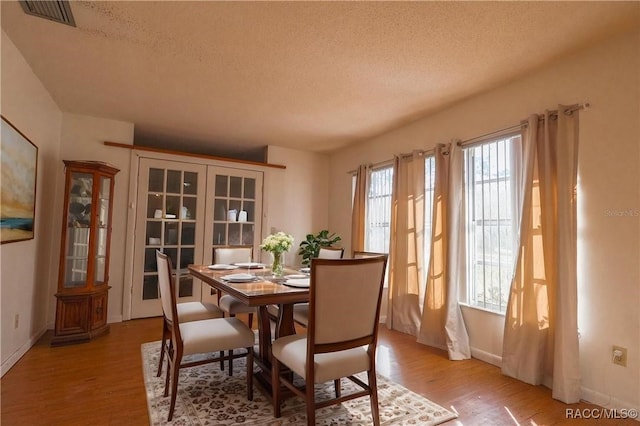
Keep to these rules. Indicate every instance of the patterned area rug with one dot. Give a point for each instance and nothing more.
(208, 396)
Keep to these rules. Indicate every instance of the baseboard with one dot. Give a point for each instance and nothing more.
(115, 318)
(486, 357)
(15, 357)
(607, 401)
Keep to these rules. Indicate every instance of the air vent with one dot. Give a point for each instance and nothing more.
(58, 11)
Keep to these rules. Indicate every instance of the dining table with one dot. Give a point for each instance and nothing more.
(262, 291)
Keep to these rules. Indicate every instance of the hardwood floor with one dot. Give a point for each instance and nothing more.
(100, 383)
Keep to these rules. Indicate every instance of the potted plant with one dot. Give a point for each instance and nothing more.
(310, 247)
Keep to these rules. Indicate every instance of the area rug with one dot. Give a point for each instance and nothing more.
(208, 396)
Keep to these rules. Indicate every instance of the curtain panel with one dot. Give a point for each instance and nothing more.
(407, 244)
(359, 211)
(540, 343)
(442, 324)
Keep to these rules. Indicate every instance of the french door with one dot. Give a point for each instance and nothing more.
(184, 210)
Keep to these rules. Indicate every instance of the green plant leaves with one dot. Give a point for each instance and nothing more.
(310, 247)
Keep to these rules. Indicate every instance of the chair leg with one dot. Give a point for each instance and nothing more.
(275, 386)
(175, 370)
(165, 335)
(167, 380)
(375, 412)
(336, 385)
(230, 354)
(169, 362)
(310, 402)
(250, 373)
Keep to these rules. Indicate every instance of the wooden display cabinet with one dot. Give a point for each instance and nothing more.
(83, 278)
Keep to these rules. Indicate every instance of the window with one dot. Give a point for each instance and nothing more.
(379, 210)
(490, 227)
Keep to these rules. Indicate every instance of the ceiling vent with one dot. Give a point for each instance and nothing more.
(58, 11)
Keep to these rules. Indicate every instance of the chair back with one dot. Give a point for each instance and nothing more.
(364, 254)
(167, 294)
(331, 253)
(344, 302)
(232, 254)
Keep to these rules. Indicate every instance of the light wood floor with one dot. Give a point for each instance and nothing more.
(100, 383)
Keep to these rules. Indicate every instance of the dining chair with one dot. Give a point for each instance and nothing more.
(198, 337)
(341, 338)
(186, 312)
(301, 310)
(230, 255)
(232, 306)
(331, 253)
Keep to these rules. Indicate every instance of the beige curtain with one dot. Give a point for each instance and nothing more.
(358, 213)
(540, 343)
(406, 244)
(442, 324)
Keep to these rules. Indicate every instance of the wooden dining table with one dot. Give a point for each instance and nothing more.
(261, 293)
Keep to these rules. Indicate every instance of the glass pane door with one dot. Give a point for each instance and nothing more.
(168, 212)
(184, 210)
(234, 211)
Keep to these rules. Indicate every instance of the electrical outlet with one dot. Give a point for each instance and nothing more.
(16, 321)
(619, 355)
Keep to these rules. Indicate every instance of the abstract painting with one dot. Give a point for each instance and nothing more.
(19, 158)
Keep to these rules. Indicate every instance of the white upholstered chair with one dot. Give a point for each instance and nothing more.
(230, 255)
(331, 253)
(198, 337)
(227, 303)
(341, 338)
(187, 311)
(301, 310)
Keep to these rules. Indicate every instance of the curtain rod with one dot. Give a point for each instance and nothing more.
(518, 126)
(585, 106)
(379, 164)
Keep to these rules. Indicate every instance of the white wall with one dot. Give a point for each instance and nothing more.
(30, 268)
(24, 274)
(607, 75)
(296, 198)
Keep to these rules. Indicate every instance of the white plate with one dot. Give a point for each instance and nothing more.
(239, 278)
(305, 270)
(222, 267)
(249, 265)
(296, 276)
(301, 283)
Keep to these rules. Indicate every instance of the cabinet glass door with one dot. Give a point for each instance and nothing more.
(78, 227)
(104, 198)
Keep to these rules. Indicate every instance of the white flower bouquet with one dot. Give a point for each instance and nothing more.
(277, 243)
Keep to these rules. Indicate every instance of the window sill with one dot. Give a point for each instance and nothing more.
(478, 308)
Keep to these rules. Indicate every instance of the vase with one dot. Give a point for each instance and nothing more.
(277, 266)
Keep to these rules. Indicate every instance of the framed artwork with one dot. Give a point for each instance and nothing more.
(19, 158)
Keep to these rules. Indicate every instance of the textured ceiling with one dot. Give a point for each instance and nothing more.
(235, 76)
